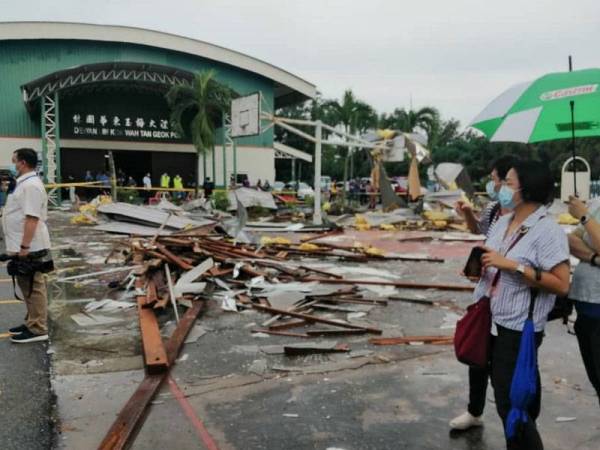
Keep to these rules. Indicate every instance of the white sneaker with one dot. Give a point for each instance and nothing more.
(465, 421)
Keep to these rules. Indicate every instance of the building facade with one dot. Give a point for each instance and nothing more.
(75, 91)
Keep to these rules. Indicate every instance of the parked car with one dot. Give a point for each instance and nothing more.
(304, 190)
(278, 186)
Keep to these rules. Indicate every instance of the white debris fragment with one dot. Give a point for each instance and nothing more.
(565, 419)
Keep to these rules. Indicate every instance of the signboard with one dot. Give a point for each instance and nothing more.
(122, 117)
(113, 126)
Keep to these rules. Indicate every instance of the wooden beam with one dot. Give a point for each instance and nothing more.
(155, 356)
(398, 284)
(131, 418)
(311, 318)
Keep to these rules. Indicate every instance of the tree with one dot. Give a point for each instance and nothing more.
(408, 121)
(353, 116)
(196, 109)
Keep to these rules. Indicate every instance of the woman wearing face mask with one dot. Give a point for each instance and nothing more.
(526, 248)
(478, 377)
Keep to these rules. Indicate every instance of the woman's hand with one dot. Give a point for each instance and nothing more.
(492, 258)
(462, 208)
(577, 208)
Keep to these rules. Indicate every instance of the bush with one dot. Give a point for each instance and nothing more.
(129, 196)
(220, 200)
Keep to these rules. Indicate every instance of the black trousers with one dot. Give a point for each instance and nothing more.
(504, 359)
(587, 330)
(478, 383)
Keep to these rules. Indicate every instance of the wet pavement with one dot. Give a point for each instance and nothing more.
(238, 392)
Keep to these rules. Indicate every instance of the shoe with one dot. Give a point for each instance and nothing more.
(17, 330)
(27, 336)
(465, 421)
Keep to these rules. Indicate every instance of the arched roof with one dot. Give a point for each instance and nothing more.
(151, 76)
(287, 85)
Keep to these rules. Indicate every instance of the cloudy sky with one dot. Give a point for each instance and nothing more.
(454, 55)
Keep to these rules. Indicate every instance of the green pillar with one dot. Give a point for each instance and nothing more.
(57, 140)
(214, 165)
(234, 161)
(224, 147)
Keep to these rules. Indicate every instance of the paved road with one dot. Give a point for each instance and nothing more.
(25, 396)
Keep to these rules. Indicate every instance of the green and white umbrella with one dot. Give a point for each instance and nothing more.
(540, 110)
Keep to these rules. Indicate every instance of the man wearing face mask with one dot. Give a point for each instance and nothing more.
(492, 211)
(27, 237)
(479, 378)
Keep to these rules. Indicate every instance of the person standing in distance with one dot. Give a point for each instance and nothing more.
(27, 237)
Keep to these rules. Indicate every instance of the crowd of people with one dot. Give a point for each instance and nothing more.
(525, 265)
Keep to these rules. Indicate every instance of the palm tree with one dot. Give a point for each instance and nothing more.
(353, 116)
(204, 101)
(425, 118)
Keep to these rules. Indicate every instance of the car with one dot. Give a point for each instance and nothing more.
(304, 190)
(325, 183)
(278, 186)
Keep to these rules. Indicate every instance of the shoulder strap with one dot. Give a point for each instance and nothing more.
(534, 293)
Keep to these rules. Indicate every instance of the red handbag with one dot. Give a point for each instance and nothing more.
(472, 336)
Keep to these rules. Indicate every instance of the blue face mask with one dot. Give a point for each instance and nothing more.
(13, 169)
(490, 188)
(506, 197)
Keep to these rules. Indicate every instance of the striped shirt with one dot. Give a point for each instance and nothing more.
(545, 246)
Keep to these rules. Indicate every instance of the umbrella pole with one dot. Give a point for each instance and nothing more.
(572, 104)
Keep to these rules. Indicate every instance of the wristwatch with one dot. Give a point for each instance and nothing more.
(520, 269)
(584, 220)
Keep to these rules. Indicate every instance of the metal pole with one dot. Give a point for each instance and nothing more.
(113, 175)
(317, 220)
(293, 169)
(44, 144)
(572, 104)
(58, 174)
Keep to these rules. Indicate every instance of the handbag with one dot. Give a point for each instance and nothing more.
(28, 267)
(472, 334)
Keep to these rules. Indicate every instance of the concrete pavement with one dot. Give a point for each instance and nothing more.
(25, 397)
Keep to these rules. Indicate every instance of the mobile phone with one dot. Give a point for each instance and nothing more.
(473, 266)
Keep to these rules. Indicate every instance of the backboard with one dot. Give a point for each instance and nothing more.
(245, 116)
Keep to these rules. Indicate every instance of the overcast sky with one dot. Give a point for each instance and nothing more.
(454, 55)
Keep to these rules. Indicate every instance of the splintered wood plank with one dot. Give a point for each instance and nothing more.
(155, 356)
(131, 418)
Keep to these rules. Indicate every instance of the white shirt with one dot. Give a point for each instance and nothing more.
(147, 182)
(28, 199)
